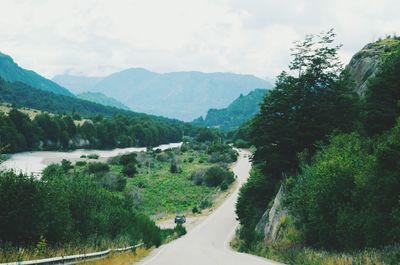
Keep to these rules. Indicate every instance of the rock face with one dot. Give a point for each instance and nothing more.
(366, 63)
(270, 221)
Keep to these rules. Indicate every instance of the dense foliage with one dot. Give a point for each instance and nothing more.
(238, 112)
(342, 185)
(349, 196)
(56, 132)
(383, 95)
(66, 209)
(299, 112)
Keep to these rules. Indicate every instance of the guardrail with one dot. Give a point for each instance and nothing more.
(74, 258)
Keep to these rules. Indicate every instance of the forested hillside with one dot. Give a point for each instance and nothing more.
(336, 155)
(10, 71)
(238, 112)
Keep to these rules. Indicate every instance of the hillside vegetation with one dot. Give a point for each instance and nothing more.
(10, 71)
(335, 154)
(238, 112)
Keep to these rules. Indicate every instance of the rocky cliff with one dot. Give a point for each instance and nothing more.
(269, 223)
(366, 63)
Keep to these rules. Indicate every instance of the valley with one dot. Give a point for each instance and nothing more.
(200, 132)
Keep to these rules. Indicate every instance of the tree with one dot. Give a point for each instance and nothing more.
(304, 109)
(383, 96)
(307, 105)
(129, 169)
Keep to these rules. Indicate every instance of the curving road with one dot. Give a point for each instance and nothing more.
(208, 243)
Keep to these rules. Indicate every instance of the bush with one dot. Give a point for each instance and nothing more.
(198, 176)
(129, 170)
(93, 156)
(97, 167)
(348, 197)
(80, 163)
(174, 168)
(240, 143)
(66, 210)
(113, 182)
(66, 165)
(217, 175)
(128, 158)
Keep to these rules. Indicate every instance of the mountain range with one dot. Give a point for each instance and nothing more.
(181, 95)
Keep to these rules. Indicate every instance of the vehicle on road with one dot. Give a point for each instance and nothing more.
(180, 219)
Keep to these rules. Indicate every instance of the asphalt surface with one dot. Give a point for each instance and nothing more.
(208, 242)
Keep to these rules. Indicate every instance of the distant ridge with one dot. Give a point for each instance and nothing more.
(100, 98)
(181, 95)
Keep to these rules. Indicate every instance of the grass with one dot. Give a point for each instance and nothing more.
(166, 193)
(32, 113)
(124, 258)
(42, 250)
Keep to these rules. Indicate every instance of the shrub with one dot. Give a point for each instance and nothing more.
(128, 158)
(113, 182)
(66, 165)
(129, 169)
(80, 163)
(197, 176)
(93, 156)
(217, 175)
(97, 167)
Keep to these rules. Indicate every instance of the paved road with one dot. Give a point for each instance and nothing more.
(208, 242)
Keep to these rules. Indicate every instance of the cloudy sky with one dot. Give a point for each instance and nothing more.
(89, 37)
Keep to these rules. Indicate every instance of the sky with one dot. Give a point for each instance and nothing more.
(99, 37)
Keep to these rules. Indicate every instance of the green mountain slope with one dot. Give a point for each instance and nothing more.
(10, 71)
(102, 99)
(182, 95)
(237, 113)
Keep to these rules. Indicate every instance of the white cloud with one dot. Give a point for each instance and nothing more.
(97, 37)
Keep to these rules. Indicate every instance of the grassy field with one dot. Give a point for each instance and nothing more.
(164, 193)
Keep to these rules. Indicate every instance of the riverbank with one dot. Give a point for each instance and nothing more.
(34, 162)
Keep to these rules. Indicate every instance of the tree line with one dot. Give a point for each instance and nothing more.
(336, 153)
(54, 132)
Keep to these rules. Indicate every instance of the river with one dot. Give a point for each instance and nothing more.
(35, 162)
